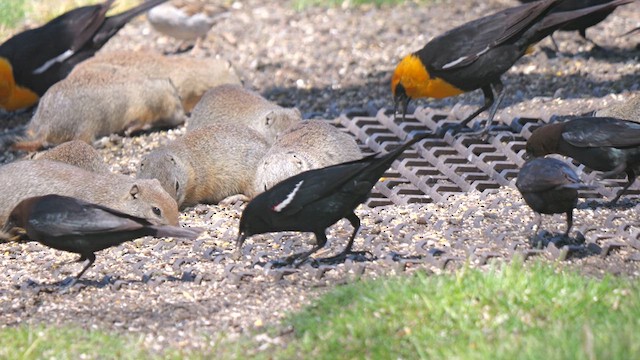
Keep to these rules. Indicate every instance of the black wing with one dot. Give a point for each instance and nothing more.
(293, 194)
(466, 43)
(542, 174)
(61, 216)
(605, 131)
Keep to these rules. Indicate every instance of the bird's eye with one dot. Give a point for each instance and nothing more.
(156, 210)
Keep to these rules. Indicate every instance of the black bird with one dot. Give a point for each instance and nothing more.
(314, 200)
(580, 24)
(476, 54)
(600, 143)
(73, 225)
(33, 60)
(549, 186)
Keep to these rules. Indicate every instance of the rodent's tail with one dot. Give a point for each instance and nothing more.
(10, 139)
(26, 141)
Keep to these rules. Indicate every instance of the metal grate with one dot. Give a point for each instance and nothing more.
(445, 165)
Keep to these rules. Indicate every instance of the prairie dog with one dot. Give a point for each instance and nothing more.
(143, 198)
(77, 153)
(237, 105)
(309, 145)
(191, 76)
(99, 101)
(207, 165)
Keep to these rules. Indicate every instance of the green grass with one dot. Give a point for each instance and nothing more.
(11, 13)
(29, 342)
(513, 311)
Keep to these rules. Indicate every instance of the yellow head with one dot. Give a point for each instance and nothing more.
(418, 83)
(411, 80)
(12, 96)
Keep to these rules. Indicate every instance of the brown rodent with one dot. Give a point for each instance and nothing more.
(99, 101)
(191, 76)
(626, 110)
(237, 105)
(309, 145)
(77, 153)
(28, 178)
(208, 164)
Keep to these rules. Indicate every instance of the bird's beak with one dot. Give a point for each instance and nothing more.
(401, 100)
(240, 241)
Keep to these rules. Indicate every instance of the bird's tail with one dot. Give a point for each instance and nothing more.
(177, 232)
(556, 20)
(113, 24)
(385, 160)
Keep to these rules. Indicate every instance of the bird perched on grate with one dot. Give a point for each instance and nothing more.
(476, 54)
(33, 60)
(549, 186)
(314, 200)
(603, 144)
(69, 224)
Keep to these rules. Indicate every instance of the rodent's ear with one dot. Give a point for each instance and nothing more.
(177, 186)
(134, 191)
(172, 159)
(270, 118)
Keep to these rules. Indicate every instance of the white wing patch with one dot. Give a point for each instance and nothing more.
(463, 58)
(60, 58)
(279, 207)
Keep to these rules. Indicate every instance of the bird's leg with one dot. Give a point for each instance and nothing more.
(583, 35)
(569, 222)
(631, 178)
(488, 101)
(89, 259)
(355, 222)
(499, 89)
(555, 44)
(298, 258)
(537, 243)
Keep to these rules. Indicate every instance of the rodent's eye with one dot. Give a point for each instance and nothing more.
(156, 210)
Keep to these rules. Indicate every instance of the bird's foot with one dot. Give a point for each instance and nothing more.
(453, 128)
(67, 284)
(356, 256)
(481, 134)
(294, 260)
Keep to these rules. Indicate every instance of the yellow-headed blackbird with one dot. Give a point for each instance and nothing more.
(33, 60)
(475, 55)
(580, 24)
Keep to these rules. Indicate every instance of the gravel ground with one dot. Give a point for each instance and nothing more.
(190, 294)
